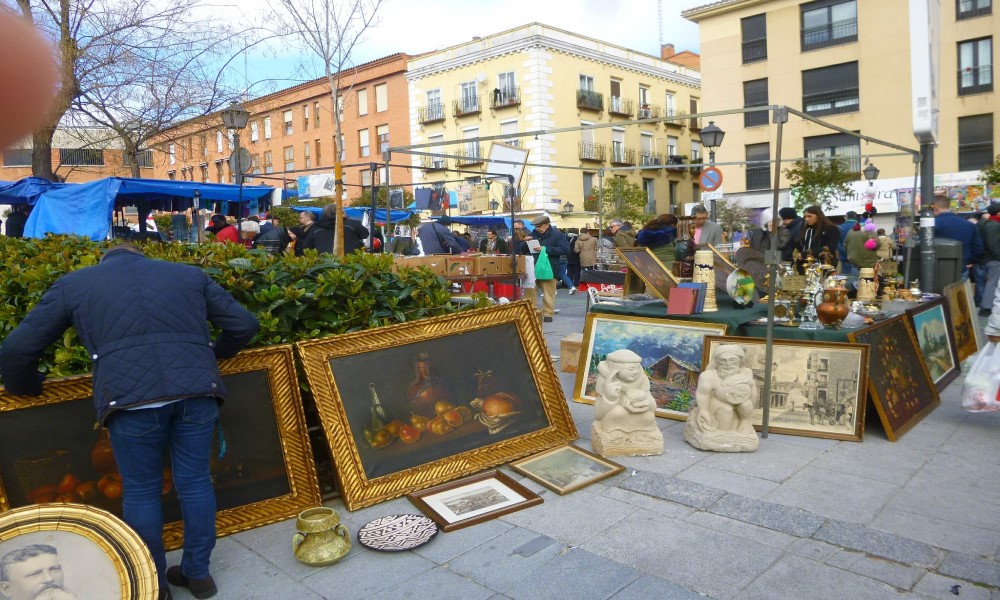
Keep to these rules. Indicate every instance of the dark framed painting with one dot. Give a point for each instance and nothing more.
(671, 353)
(817, 388)
(642, 263)
(87, 552)
(473, 500)
(567, 469)
(962, 312)
(417, 404)
(932, 326)
(52, 450)
(898, 381)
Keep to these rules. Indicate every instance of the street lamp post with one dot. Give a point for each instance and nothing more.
(494, 205)
(711, 138)
(871, 173)
(235, 119)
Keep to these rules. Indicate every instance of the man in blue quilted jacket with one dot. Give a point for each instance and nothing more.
(156, 384)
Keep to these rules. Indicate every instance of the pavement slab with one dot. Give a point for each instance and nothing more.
(446, 546)
(775, 460)
(971, 568)
(896, 575)
(877, 459)
(695, 557)
(574, 519)
(734, 483)
(886, 545)
(793, 521)
(265, 582)
(574, 575)
(352, 579)
(938, 586)
(939, 532)
(656, 505)
(797, 578)
(436, 583)
(497, 565)
(834, 495)
(648, 587)
(747, 531)
(677, 490)
(677, 454)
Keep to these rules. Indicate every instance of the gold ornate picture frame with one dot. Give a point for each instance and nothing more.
(97, 554)
(52, 450)
(417, 404)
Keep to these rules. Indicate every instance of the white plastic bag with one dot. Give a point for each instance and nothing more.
(979, 394)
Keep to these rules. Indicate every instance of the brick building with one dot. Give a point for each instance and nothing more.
(79, 154)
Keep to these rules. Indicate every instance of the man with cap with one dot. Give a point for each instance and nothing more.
(846, 268)
(556, 245)
(989, 230)
(436, 238)
(791, 224)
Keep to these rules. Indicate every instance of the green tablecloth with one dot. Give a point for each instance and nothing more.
(736, 319)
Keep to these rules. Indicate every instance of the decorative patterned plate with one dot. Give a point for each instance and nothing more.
(396, 533)
(740, 286)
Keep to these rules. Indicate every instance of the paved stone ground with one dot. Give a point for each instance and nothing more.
(801, 518)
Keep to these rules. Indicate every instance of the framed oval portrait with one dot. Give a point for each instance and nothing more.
(72, 551)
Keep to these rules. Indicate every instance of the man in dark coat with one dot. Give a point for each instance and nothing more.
(556, 245)
(953, 227)
(321, 240)
(788, 232)
(275, 239)
(16, 220)
(156, 384)
(436, 238)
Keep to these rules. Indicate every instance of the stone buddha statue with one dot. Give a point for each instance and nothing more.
(726, 397)
(625, 411)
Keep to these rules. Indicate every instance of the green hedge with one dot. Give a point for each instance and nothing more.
(295, 298)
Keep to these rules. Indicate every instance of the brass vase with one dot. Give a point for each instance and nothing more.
(834, 307)
(321, 539)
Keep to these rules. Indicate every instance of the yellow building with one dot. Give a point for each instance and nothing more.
(539, 78)
(847, 62)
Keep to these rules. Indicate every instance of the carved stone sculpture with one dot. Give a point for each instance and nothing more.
(722, 421)
(625, 411)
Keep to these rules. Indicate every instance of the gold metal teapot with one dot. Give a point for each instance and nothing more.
(321, 539)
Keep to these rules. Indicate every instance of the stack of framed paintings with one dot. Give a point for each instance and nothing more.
(961, 312)
(899, 383)
(932, 325)
(671, 353)
(418, 404)
(817, 388)
(645, 270)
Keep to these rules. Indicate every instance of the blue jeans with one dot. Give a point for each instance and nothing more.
(561, 268)
(140, 439)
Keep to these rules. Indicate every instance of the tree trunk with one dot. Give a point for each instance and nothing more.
(41, 153)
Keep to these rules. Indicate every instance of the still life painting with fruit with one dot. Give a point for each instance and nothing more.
(419, 402)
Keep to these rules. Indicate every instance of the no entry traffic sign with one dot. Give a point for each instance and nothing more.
(710, 179)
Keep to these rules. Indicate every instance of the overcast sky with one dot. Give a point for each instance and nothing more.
(416, 26)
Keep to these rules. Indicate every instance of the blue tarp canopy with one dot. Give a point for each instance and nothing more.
(87, 209)
(357, 212)
(487, 221)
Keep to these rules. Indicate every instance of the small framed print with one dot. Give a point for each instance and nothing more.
(473, 500)
(566, 469)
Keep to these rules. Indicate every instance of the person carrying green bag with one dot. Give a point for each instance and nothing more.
(553, 245)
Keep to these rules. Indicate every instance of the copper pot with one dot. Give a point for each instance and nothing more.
(834, 307)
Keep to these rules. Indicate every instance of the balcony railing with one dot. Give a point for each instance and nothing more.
(756, 118)
(831, 34)
(975, 80)
(469, 105)
(431, 113)
(621, 107)
(969, 9)
(832, 103)
(590, 100)
(650, 159)
(674, 113)
(593, 152)
(433, 163)
(675, 162)
(694, 123)
(471, 155)
(622, 156)
(758, 178)
(695, 168)
(650, 111)
(504, 97)
(754, 50)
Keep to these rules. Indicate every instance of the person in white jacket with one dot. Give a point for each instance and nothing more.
(992, 329)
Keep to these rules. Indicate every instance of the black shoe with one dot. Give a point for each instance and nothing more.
(199, 588)
(985, 312)
(547, 319)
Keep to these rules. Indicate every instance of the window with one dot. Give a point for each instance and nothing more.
(671, 145)
(218, 171)
(586, 83)
(204, 173)
(319, 157)
(343, 148)
(436, 161)
(144, 159)
(268, 164)
(694, 123)
(364, 149)
(646, 145)
(696, 193)
(755, 94)
(470, 99)
(435, 109)
(975, 66)
(17, 157)
(366, 177)
(340, 108)
(382, 131)
(305, 117)
(232, 139)
(316, 115)
(204, 145)
(306, 154)
(287, 115)
(829, 23)
(507, 128)
(381, 97)
(975, 142)
(616, 96)
(695, 150)
(588, 187)
(831, 90)
(171, 175)
(968, 9)
(644, 111)
(617, 145)
(218, 142)
(672, 195)
(289, 158)
(758, 175)
(267, 128)
(754, 38)
(472, 146)
(190, 149)
(254, 131)
(670, 105)
(362, 103)
(650, 189)
(172, 153)
(839, 145)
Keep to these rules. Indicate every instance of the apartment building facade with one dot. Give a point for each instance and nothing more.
(538, 78)
(79, 154)
(848, 63)
(291, 133)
